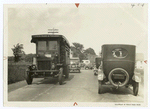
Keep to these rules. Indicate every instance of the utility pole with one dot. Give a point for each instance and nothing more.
(53, 31)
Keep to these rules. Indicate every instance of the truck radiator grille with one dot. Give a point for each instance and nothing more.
(44, 65)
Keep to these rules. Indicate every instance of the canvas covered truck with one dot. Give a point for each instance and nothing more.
(118, 67)
(52, 58)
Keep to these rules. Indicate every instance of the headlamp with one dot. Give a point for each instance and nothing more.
(33, 67)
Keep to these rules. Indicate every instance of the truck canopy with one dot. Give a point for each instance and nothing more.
(48, 37)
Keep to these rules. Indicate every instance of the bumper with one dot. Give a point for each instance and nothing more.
(74, 69)
(44, 73)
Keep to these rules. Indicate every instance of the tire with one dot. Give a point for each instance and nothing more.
(79, 71)
(135, 88)
(67, 72)
(100, 87)
(111, 81)
(86, 68)
(29, 78)
(60, 77)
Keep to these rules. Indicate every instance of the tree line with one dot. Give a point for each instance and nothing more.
(77, 49)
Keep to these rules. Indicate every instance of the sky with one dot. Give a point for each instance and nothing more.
(90, 24)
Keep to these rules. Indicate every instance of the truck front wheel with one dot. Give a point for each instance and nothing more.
(29, 78)
(60, 77)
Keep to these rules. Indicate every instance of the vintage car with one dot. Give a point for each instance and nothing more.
(74, 64)
(52, 58)
(97, 64)
(118, 67)
(89, 66)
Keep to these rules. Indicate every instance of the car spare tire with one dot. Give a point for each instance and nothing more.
(118, 77)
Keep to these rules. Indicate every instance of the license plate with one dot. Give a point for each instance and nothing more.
(119, 77)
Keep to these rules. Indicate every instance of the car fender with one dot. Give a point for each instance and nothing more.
(137, 76)
(101, 75)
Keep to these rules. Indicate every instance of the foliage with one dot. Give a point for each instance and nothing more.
(89, 51)
(29, 57)
(18, 52)
(78, 46)
(78, 51)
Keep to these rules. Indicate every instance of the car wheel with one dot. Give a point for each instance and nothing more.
(79, 71)
(135, 88)
(60, 77)
(29, 78)
(99, 87)
(86, 68)
(67, 72)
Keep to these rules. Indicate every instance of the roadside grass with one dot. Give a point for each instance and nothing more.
(16, 71)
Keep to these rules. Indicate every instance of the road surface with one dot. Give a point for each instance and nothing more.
(80, 87)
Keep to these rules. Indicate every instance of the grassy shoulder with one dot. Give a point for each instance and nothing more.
(16, 71)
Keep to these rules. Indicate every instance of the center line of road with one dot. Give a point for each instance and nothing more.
(41, 93)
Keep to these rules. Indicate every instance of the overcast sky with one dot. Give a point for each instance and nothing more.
(90, 24)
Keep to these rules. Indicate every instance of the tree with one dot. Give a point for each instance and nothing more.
(18, 52)
(89, 51)
(78, 46)
(78, 50)
(29, 57)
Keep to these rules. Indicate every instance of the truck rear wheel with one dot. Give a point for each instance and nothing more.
(60, 77)
(135, 88)
(99, 87)
(67, 72)
(29, 78)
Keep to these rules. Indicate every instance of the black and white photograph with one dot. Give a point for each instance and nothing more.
(76, 55)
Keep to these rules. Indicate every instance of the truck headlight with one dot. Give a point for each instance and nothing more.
(33, 67)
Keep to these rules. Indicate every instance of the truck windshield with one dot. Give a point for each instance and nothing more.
(52, 45)
(41, 45)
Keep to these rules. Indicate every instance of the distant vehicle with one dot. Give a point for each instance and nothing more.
(52, 58)
(118, 67)
(89, 66)
(86, 62)
(74, 64)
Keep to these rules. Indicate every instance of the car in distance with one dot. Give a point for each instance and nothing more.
(118, 67)
(74, 64)
(52, 58)
(89, 66)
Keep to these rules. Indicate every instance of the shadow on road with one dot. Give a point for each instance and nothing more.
(50, 80)
(70, 78)
(120, 91)
(47, 81)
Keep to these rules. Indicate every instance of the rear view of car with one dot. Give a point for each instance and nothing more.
(118, 67)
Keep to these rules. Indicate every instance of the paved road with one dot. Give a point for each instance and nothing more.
(80, 87)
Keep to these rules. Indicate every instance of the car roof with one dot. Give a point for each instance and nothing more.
(117, 45)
